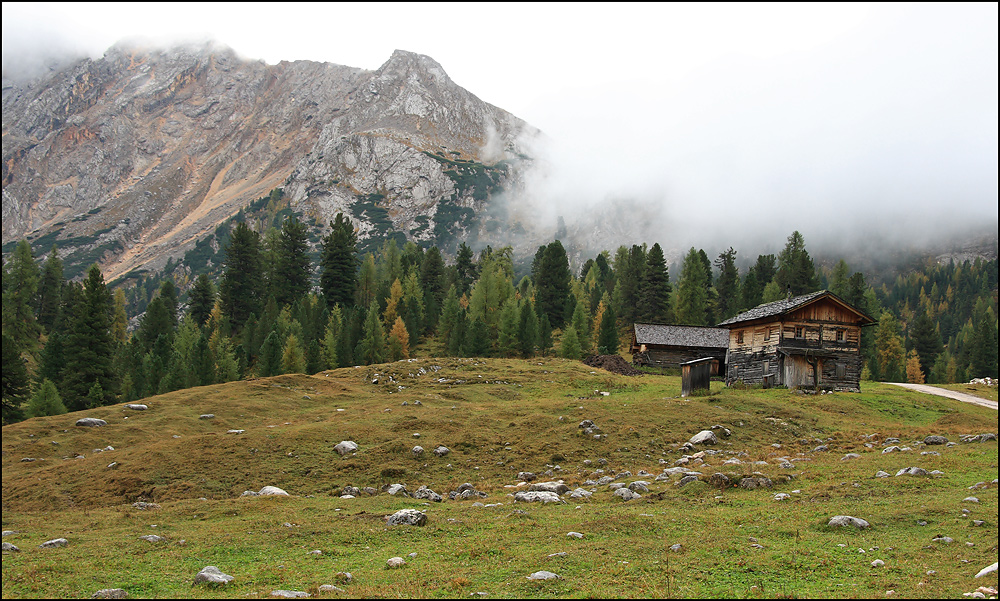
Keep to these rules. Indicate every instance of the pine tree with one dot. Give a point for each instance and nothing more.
(293, 271)
(692, 297)
(607, 338)
(399, 341)
(293, 359)
(372, 347)
(20, 289)
(569, 345)
(241, 290)
(796, 271)
(96, 396)
(89, 347)
(630, 265)
(528, 330)
(655, 290)
(728, 285)
(466, 269)
(201, 300)
(269, 362)
(119, 318)
(839, 280)
(339, 264)
(889, 348)
(552, 284)
(15, 380)
(914, 375)
(926, 341)
(50, 289)
(477, 341)
(45, 401)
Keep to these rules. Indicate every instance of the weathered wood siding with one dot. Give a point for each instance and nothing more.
(673, 357)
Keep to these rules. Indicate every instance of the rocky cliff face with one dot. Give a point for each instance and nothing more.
(130, 159)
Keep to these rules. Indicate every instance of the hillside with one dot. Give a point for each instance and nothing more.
(500, 418)
(130, 159)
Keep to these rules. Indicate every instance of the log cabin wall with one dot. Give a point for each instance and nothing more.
(753, 353)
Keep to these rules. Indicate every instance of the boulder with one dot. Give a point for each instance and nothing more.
(705, 437)
(526, 476)
(283, 594)
(580, 493)
(755, 482)
(136, 407)
(441, 451)
(935, 439)
(987, 570)
(152, 538)
(91, 422)
(10, 548)
(543, 575)
(850, 456)
(557, 487)
(207, 416)
(846, 520)
(52, 544)
(212, 575)
(640, 486)
(110, 593)
(913, 471)
(397, 490)
(626, 494)
(417, 451)
(346, 446)
(425, 493)
(395, 562)
(537, 496)
(407, 517)
(272, 491)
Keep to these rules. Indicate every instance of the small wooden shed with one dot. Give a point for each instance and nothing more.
(696, 375)
(808, 341)
(662, 345)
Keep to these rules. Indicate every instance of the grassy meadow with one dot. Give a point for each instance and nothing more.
(498, 418)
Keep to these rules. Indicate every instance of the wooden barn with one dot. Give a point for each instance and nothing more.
(809, 341)
(669, 346)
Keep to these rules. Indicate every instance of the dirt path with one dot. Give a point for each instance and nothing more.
(958, 396)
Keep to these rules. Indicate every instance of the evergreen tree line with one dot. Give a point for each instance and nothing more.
(67, 345)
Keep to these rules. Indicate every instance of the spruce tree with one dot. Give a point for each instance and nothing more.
(728, 285)
(507, 345)
(15, 382)
(45, 401)
(569, 345)
(89, 347)
(607, 338)
(692, 296)
(552, 284)
(201, 300)
(796, 271)
(477, 340)
(339, 263)
(269, 362)
(292, 270)
(466, 269)
(20, 289)
(372, 347)
(331, 339)
(528, 330)
(630, 266)
(926, 341)
(654, 291)
(50, 290)
(241, 289)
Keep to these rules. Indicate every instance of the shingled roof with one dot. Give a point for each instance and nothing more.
(784, 306)
(690, 336)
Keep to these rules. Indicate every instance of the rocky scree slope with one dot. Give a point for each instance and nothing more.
(131, 158)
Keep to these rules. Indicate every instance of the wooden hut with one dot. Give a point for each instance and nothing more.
(809, 341)
(670, 346)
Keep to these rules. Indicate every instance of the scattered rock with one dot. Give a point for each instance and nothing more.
(970, 500)
(543, 574)
(136, 407)
(346, 446)
(441, 451)
(235, 431)
(676, 547)
(705, 437)
(557, 487)
(10, 548)
(207, 416)
(290, 594)
(417, 451)
(987, 570)
(891, 449)
(537, 496)
(574, 535)
(942, 539)
(878, 563)
(7, 533)
(881, 474)
(425, 493)
(755, 482)
(580, 493)
(110, 593)
(212, 575)
(626, 494)
(54, 543)
(781, 496)
(91, 422)
(846, 520)
(935, 439)
(850, 456)
(395, 562)
(719, 480)
(526, 476)
(329, 588)
(272, 491)
(153, 538)
(913, 471)
(397, 490)
(407, 517)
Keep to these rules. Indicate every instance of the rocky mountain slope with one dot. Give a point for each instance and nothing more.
(130, 159)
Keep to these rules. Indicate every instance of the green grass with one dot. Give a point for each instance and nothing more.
(498, 417)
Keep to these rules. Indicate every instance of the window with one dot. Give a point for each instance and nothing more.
(739, 337)
(840, 335)
(767, 334)
(800, 332)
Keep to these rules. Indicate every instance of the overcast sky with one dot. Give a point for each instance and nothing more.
(755, 117)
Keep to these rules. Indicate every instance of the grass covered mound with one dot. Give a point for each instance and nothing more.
(499, 418)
